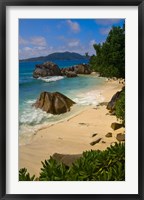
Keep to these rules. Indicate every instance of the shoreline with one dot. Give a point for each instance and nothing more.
(83, 98)
(72, 135)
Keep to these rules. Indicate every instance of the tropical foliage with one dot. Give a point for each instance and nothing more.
(110, 55)
(25, 176)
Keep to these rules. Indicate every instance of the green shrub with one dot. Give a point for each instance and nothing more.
(25, 176)
(120, 107)
(94, 165)
(53, 171)
(97, 165)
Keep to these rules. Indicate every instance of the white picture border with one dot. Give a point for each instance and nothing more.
(130, 185)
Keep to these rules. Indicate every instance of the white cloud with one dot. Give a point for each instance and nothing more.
(105, 31)
(73, 43)
(74, 26)
(29, 52)
(35, 41)
(33, 47)
(38, 41)
(92, 42)
(27, 49)
(22, 41)
(40, 48)
(107, 22)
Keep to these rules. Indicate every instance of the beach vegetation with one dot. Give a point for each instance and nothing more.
(109, 60)
(94, 165)
(53, 171)
(24, 175)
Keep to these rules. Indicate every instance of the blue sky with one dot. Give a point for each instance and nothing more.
(40, 37)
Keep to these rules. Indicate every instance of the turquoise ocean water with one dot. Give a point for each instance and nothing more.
(84, 90)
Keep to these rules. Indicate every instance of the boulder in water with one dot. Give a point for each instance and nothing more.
(82, 69)
(46, 69)
(54, 103)
(71, 74)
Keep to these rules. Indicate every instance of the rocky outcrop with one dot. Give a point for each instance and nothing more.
(111, 105)
(71, 74)
(66, 158)
(51, 69)
(82, 69)
(77, 69)
(54, 103)
(46, 69)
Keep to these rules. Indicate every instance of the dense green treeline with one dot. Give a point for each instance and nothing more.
(110, 56)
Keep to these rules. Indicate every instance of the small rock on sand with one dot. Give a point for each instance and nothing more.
(93, 135)
(84, 124)
(108, 135)
(95, 142)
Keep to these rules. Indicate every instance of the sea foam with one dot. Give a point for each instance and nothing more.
(33, 116)
(51, 79)
(93, 97)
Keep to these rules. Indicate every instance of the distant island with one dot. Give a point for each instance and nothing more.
(58, 56)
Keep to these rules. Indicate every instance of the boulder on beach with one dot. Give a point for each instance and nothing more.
(111, 105)
(67, 159)
(108, 135)
(46, 69)
(95, 142)
(71, 74)
(82, 69)
(116, 126)
(54, 103)
(120, 137)
(77, 69)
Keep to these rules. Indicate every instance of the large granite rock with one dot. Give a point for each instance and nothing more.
(82, 69)
(78, 69)
(67, 159)
(111, 105)
(54, 103)
(46, 69)
(71, 74)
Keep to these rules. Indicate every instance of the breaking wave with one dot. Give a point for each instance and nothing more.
(51, 79)
(93, 97)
